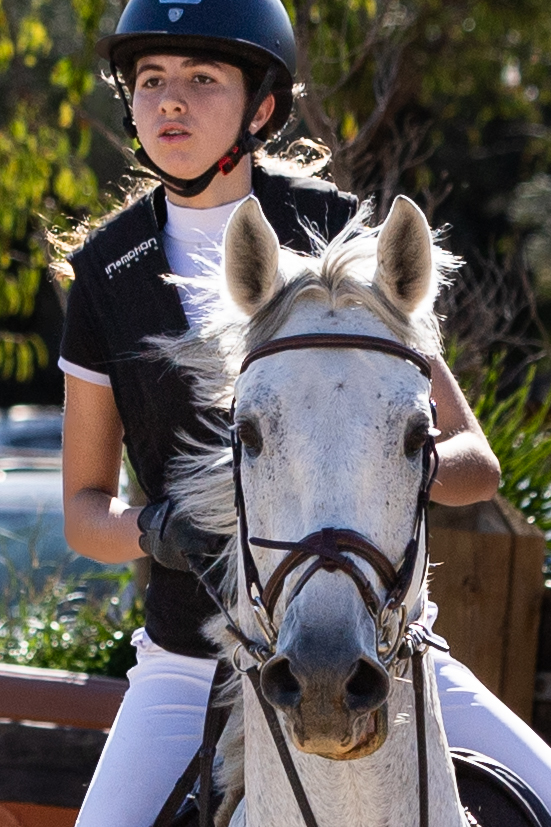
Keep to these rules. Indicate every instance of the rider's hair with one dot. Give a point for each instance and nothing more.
(302, 158)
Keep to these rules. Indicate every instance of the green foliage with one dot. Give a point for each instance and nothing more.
(520, 436)
(46, 72)
(530, 212)
(20, 354)
(468, 61)
(446, 101)
(430, 93)
(62, 626)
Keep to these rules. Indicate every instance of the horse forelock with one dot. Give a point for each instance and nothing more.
(342, 274)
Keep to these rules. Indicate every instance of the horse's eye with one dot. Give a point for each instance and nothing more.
(414, 440)
(250, 437)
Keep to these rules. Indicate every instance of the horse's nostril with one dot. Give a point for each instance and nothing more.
(367, 687)
(279, 685)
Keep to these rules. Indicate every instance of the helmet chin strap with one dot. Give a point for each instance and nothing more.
(246, 142)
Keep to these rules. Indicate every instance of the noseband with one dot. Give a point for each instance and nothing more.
(333, 549)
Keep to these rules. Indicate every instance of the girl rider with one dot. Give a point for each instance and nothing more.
(209, 81)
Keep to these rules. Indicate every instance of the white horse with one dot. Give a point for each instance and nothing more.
(331, 437)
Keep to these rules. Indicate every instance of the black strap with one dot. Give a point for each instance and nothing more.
(495, 793)
(283, 750)
(422, 759)
(215, 722)
(338, 340)
(181, 790)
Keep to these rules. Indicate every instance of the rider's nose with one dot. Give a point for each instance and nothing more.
(172, 106)
(173, 102)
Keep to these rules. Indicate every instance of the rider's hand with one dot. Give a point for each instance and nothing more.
(172, 540)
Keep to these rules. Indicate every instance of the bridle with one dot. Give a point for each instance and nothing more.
(326, 549)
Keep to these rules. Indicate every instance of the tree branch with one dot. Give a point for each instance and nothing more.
(311, 104)
(372, 36)
(103, 130)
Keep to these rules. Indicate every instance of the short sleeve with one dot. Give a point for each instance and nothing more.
(81, 343)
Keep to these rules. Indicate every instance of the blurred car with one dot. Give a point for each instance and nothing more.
(26, 430)
(33, 548)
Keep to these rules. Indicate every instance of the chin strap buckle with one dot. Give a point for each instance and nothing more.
(228, 163)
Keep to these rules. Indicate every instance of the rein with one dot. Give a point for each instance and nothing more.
(327, 549)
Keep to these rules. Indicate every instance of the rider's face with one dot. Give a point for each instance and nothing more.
(187, 110)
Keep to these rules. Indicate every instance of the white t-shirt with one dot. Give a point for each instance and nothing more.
(188, 233)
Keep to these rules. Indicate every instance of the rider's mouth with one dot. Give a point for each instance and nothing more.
(170, 133)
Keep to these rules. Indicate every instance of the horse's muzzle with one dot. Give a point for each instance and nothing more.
(331, 709)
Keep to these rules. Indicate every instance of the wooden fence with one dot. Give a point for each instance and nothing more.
(489, 590)
(53, 724)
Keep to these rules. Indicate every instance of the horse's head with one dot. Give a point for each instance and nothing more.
(333, 437)
(331, 443)
(331, 472)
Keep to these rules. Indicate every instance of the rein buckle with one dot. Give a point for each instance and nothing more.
(387, 650)
(264, 622)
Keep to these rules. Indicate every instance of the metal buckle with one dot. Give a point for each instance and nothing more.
(265, 624)
(235, 663)
(263, 618)
(386, 649)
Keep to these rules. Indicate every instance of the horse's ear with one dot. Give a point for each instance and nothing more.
(404, 257)
(251, 255)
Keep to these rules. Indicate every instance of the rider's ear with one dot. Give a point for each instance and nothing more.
(263, 114)
(405, 271)
(251, 256)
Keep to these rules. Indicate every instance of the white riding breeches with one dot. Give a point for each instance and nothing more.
(475, 719)
(159, 726)
(156, 733)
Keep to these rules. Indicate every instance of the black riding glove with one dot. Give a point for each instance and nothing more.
(173, 541)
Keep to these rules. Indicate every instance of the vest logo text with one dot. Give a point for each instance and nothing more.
(131, 257)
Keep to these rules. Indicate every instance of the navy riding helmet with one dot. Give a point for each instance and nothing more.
(246, 33)
(255, 35)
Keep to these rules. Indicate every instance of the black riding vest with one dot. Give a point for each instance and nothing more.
(118, 275)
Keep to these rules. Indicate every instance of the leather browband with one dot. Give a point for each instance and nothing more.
(343, 340)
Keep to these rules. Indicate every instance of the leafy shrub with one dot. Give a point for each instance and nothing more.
(520, 436)
(65, 625)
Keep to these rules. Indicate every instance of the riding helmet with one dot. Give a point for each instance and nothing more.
(251, 34)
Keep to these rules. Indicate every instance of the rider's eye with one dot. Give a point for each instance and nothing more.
(203, 79)
(150, 82)
(414, 440)
(250, 437)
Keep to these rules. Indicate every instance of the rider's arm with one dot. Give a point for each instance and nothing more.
(97, 523)
(469, 470)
